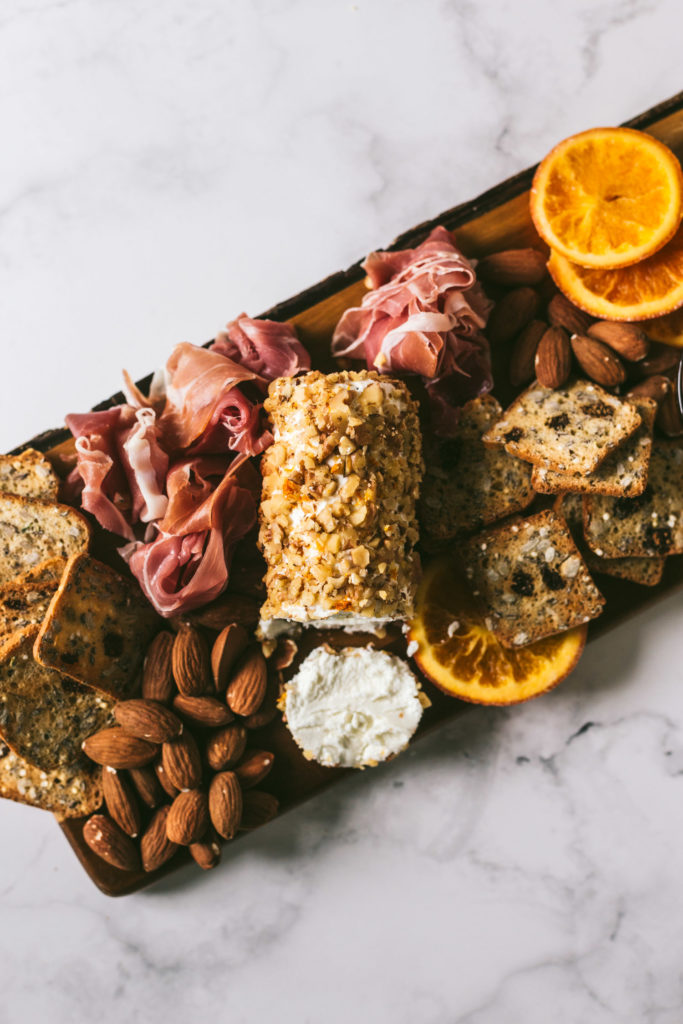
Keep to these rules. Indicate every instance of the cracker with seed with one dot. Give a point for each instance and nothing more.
(28, 475)
(646, 526)
(25, 601)
(97, 628)
(467, 484)
(72, 791)
(570, 429)
(45, 716)
(531, 579)
(32, 532)
(623, 473)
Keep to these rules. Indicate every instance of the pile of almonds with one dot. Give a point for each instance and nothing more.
(549, 339)
(177, 768)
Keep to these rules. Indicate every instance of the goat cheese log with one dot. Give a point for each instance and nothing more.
(340, 486)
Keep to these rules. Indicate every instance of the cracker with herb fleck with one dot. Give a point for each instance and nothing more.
(71, 791)
(25, 601)
(28, 475)
(32, 532)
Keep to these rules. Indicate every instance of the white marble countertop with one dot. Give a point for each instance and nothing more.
(165, 166)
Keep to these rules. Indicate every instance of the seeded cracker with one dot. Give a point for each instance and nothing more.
(467, 484)
(25, 601)
(97, 628)
(570, 429)
(28, 475)
(44, 716)
(531, 579)
(651, 524)
(623, 473)
(69, 792)
(32, 532)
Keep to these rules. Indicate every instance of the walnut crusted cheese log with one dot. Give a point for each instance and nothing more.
(340, 485)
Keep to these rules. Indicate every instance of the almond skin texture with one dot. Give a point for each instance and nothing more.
(268, 710)
(510, 314)
(114, 748)
(258, 808)
(207, 851)
(225, 610)
(523, 354)
(660, 359)
(513, 267)
(247, 687)
(191, 668)
(157, 676)
(284, 654)
(147, 786)
(155, 846)
(656, 387)
(553, 362)
(148, 720)
(627, 339)
(188, 817)
(208, 712)
(562, 313)
(121, 802)
(164, 781)
(225, 804)
(225, 747)
(598, 361)
(229, 645)
(110, 843)
(668, 416)
(181, 762)
(253, 767)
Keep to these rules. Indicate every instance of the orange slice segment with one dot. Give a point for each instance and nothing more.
(462, 657)
(648, 289)
(668, 329)
(607, 197)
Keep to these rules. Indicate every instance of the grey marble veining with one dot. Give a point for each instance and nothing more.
(166, 166)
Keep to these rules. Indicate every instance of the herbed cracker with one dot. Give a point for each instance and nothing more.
(71, 791)
(25, 601)
(97, 628)
(28, 475)
(531, 579)
(468, 485)
(570, 429)
(32, 532)
(623, 473)
(649, 525)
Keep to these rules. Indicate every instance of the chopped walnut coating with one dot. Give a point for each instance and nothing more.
(340, 486)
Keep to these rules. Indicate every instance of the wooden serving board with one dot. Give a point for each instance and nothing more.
(498, 219)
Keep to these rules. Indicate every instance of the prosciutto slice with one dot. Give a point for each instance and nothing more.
(425, 316)
(267, 347)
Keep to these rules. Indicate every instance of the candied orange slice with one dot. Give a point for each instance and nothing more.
(607, 197)
(462, 657)
(667, 329)
(648, 289)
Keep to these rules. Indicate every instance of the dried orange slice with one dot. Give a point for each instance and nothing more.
(607, 197)
(463, 658)
(668, 329)
(648, 289)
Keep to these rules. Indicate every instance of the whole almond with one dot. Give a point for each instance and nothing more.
(230, 643)
(148, 720)
(629, 340)
(147, 785)
(164, 781)
(523, 353)
(247, 687)
(225, 804)
(258, 808)
(225, 746)
(660, 359)
(188, 817)
(225, 610)
(669, 418)
(191, 668)
(108, 841)
(121, 802)
(157, 675)
(155, 846)
(116, 749)
(511, 314)
(563, 313)
(268, 710)
(553, 361)
(656, 387)
(513, 267)
(598, 361)
(253, 767)
(206, 852)
(181, 762)
(208, 712)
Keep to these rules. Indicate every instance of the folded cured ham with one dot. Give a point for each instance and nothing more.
(424, 315)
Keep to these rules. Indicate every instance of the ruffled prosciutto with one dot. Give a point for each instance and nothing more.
(268, 348)
(424, 316)
(99, 445)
